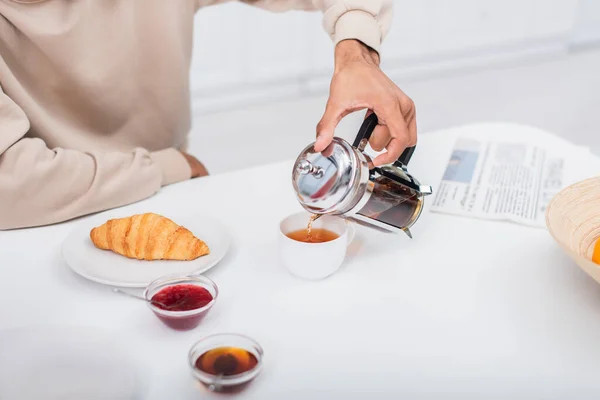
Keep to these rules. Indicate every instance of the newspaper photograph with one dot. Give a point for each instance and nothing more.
(500, 181)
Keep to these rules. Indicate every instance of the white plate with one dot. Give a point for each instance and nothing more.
(64, 363)
(109, 268)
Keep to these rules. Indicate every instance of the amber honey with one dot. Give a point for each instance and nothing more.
(226, 361)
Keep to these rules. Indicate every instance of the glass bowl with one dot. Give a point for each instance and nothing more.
(222, 382)
(181, 320)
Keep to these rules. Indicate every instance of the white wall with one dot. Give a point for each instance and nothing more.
(244, 55)
(587, 25)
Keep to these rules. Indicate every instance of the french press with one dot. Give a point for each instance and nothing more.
(341, 180)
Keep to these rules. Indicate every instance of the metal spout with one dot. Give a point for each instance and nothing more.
(407, 231)
(426, 190)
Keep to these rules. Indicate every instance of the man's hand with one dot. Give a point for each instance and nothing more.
(358, 83)
(198, 168)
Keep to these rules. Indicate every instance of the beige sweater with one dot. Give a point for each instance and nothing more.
(94, 97)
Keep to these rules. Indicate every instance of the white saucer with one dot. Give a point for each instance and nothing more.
(109, 268)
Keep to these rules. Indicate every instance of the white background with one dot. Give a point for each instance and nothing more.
(259, 92)
(243, 54)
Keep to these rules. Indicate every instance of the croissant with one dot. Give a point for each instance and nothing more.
(148, 237)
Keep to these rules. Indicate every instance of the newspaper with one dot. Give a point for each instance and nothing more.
(509, 181)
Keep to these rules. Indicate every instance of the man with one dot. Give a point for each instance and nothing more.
(94, 98)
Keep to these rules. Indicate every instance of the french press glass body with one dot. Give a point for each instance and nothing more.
(341, 180)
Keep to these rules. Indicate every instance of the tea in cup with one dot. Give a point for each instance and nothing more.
(317, 252)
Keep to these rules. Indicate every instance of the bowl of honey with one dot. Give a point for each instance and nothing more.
(225, 361)
(573, 219)
(181, 302)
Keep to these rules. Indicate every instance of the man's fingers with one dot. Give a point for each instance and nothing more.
(394, 150)
(390, 115)
(398, 131)
(198, 169)
(412, 130)
(326, 127)
(380, 138)
(332, 117)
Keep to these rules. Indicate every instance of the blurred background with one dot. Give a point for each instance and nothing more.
(260, 80)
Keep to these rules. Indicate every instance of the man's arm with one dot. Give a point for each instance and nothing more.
(357, 28)
(41, 186)
(365, 20)
(357, 84)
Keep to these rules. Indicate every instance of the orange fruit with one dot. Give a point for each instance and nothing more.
(596, 254)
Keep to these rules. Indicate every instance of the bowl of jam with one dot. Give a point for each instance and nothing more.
(181, 302)
(225, 361)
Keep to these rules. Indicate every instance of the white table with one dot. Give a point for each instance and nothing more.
(468, 309)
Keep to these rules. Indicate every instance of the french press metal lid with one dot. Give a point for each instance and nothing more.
(341, 180)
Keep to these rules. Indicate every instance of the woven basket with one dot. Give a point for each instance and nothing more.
(573, 219)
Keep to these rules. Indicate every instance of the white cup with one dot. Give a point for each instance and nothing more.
(314, 260)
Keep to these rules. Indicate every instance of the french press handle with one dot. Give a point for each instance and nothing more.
(365, 132)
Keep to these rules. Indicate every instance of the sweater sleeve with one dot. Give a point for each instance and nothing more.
(366, 20)
(40, 186)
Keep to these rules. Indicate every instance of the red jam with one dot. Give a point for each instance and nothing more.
(181, 298)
